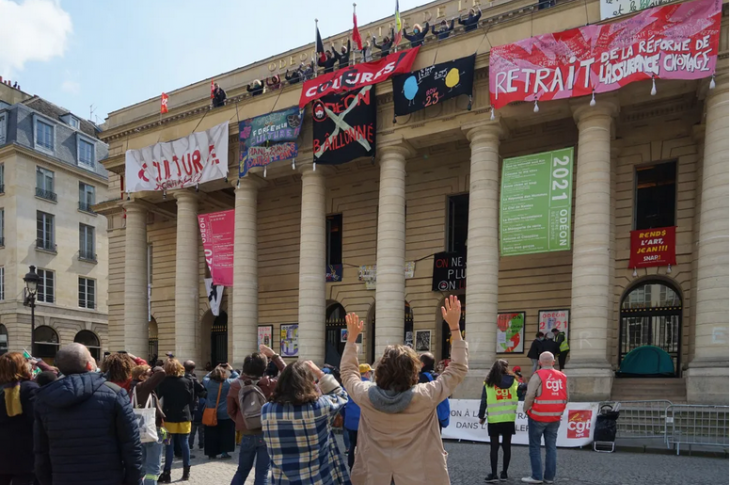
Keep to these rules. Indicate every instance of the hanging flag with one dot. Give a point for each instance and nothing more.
(163, 103)
(212, 89)
(215, 295)
(433, 85)
(320, 45)
(398, 26)
(355, 31)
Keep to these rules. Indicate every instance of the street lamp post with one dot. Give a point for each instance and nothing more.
(31, 284)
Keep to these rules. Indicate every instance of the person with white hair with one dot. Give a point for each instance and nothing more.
(545, 402)
(85, 430)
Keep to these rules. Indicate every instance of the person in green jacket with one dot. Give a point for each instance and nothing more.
(562, 342)
(499, 409)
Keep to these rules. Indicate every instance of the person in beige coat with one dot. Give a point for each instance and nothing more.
(399, 440)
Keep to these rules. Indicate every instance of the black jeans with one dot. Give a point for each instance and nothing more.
(351, 451)
(494, 451)
(561, 359)
(26, 479)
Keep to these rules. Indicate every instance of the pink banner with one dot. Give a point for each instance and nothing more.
(218, 231)
(678, 41)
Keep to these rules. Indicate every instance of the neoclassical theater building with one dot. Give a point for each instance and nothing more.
(641, 161)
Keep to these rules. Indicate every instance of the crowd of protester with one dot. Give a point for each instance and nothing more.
(123, 423)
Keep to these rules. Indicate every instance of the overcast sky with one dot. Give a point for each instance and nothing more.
(112, 54)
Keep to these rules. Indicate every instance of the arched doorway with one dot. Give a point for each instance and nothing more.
(91, 341)
(3, 339)
(46, 343)
(152, 342)
(651, 314)
(446, 332)
(334, 325)
(219, 340)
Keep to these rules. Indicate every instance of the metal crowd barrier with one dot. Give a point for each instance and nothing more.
(642, 419)
(701, 425)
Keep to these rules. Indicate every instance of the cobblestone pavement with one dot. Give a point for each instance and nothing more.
(469, 464)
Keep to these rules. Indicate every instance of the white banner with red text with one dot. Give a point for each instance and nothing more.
(185, 162)
(576, 425)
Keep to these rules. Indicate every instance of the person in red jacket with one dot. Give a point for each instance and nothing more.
(545, 402)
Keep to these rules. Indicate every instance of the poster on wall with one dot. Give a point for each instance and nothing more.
(269, 138)
(432, 85)
(369, 273)
(449, 272)
(333, 273)
(535, 207)
(511, 333)
(550, 319)
(677, 41)
(186, 162)
(217, 230)
(289, 340)
(344, 127)
(343, 336)
(577, 424)
(423, 340)
(653, 247)
(266, 335)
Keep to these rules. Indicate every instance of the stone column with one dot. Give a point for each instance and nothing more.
(390, 287)
(244, 294)
(135, 333)
(312, 263)
(590, 373)
(708, 372)
(482, 263)
(187, 275)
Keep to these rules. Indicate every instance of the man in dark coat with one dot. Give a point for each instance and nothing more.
(85, 431)
(535, 350)
(200, 393)
(219, 97)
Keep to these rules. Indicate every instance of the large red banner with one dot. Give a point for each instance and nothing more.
(678, 41)
(218, 233)
(653, 247)
(358, 76)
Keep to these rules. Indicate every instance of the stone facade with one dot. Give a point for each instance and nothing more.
(397, 210)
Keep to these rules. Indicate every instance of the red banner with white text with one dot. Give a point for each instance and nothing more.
(358, 76)
(218, 233)
(677, 41)
(653, 247)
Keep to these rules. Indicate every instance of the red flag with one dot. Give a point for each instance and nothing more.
(355, 31)
(163, 103)
(320, 47)
(212, 89)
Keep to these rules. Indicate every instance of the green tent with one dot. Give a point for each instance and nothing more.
(647, 361)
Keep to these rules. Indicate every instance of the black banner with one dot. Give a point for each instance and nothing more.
(344, 126)
(449, 272)
(433, 85)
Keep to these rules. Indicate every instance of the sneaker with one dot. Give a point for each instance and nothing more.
(225, 456)
(491, 478)
(530, 480)
(549, 481)
(503, 476)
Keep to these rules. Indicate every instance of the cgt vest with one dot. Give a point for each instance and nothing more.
(501, 404)
(550, 404)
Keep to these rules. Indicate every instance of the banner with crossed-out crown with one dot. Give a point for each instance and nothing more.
(344, 126)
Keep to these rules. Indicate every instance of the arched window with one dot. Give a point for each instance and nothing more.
(651, 314)
(46, 342)
(3, 339)
(91, 341)
(334, 325)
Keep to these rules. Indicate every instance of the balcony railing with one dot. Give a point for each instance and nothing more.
(45, 245)
(87, 255)
(86, 207)
(45, 194)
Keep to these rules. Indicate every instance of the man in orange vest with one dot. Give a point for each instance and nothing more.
(545, 402)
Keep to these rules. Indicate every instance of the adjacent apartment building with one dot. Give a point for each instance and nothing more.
(50, 179)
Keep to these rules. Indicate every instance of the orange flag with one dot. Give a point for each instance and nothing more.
(163, 103)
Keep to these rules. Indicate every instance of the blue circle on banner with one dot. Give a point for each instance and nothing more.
(410, 88)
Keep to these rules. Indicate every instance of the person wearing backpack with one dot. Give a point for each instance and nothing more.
(245, 399)
(427, 375)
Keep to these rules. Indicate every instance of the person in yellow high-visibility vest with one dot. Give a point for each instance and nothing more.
(562, 342)
(499, 409)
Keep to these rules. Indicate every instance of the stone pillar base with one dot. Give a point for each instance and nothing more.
(471, 386)
(589, 385)
(707, 385)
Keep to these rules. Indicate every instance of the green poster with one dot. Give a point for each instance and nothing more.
(536, 203)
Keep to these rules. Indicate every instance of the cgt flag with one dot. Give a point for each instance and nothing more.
(344, 126)
(163, 103)
(433, 85)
